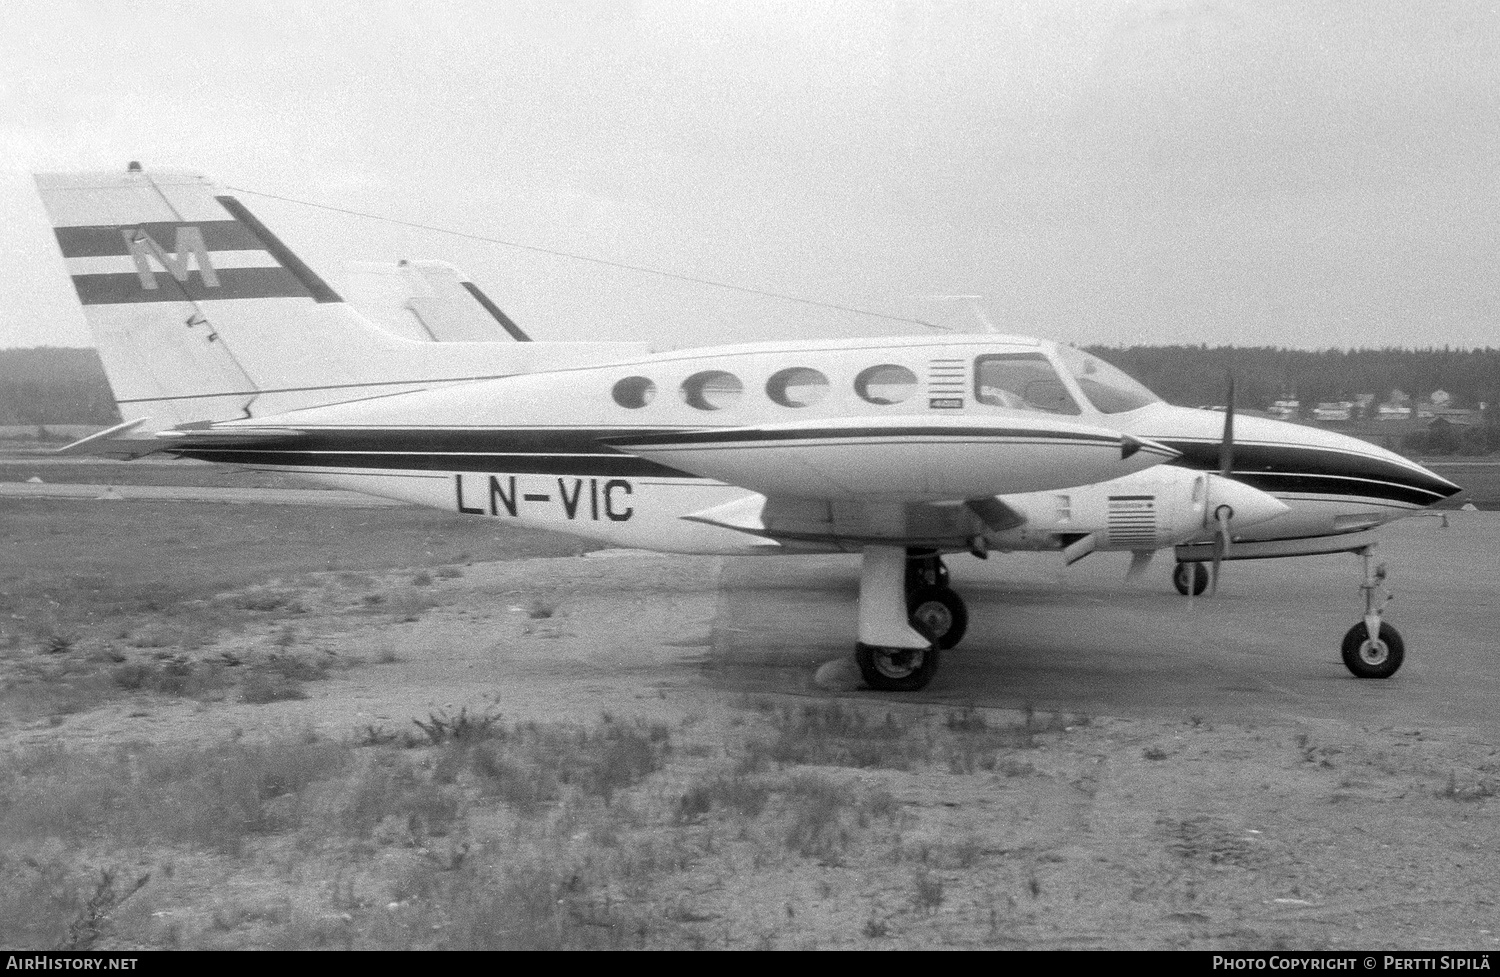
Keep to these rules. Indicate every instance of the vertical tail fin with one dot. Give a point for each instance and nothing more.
(201, 313)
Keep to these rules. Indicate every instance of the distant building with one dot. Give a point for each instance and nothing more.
(1333, 410)
(1393, 412)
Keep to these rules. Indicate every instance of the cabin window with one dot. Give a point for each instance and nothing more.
(1021, 381)
(712, 390)
(885, 384)
(797, 386)
(634, 392)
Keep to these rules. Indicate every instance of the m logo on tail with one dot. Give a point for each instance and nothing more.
(190, 245)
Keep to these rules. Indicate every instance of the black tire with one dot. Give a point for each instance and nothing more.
(1193, 575)
(1377, 661)
(896, 669)
(938, 613)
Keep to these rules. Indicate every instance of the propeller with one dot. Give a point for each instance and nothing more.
(1139, 561)
(1222, 514)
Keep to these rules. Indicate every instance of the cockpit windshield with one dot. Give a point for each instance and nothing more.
(1110, 390)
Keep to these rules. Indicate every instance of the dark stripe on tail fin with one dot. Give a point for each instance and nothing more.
(494, 310)
(233, 283)
(106, 240)
(315, 286)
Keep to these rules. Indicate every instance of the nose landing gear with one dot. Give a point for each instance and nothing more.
(1372, 648)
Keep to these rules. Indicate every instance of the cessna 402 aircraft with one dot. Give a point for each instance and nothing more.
(220, 344)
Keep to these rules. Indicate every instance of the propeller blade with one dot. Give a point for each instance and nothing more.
(1139, 561)
(1221, 546)
(1226, 446)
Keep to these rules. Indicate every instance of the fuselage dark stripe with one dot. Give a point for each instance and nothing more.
(604, 466)
(1278, 484)
(1251, 459)
(579, 451)
(717, 438)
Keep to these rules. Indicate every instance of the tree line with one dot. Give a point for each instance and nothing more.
(54, 385)
(1195, 375)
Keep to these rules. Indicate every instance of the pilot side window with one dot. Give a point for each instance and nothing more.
(1021, 381)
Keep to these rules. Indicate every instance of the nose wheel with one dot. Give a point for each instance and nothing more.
(1377, 657)
(1372, 648)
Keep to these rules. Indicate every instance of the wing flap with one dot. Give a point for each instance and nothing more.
(902, 458)
(850, 524)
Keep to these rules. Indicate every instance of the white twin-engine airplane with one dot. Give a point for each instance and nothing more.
(220, 344)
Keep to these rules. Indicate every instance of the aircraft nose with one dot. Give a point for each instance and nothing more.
(1250, 505)
(1437, 483)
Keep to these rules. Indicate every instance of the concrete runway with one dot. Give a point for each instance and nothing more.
(1082, 640)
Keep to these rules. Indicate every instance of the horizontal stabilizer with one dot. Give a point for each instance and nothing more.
(193, 438)
(118, 442)
(113, 443)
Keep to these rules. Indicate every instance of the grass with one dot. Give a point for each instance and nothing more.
(462, 831)
(181, 555)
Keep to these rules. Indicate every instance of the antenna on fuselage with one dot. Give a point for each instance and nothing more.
(972, 303)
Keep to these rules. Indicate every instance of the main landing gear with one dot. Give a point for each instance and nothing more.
(1372, 648)
(907, 616)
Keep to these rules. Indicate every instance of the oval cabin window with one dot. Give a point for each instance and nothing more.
(886, 384)
(798, 386)
(634, 392)
(712, 390)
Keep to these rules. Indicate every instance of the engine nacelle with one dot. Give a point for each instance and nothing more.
(1149, 510)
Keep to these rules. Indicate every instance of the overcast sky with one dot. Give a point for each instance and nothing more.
(1307, 173)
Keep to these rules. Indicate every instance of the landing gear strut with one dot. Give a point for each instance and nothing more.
(1372, 648)
(907, 616)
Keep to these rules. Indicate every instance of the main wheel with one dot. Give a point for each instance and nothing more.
(896, 669)
(1190, 575)
(938, 613)
(1373, 659)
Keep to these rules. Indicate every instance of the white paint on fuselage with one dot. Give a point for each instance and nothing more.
(582, 398)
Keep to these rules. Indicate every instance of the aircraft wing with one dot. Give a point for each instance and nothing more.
(900, 459)
(851, 525)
